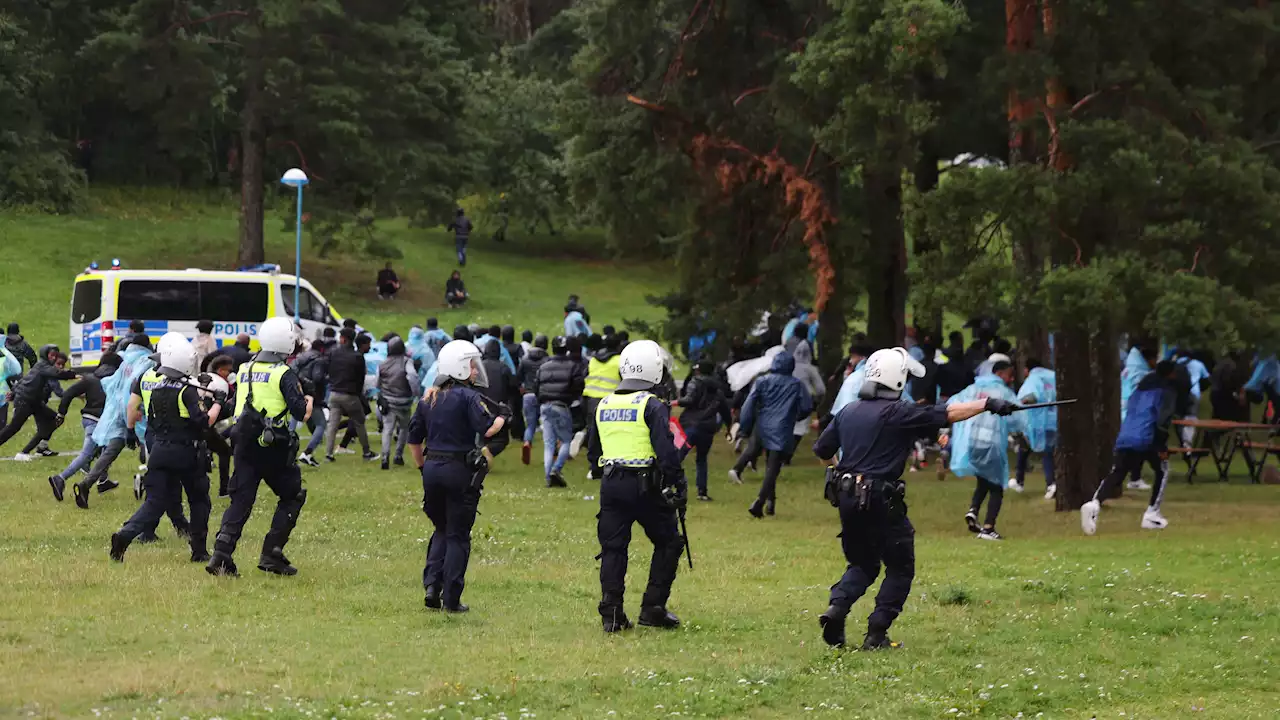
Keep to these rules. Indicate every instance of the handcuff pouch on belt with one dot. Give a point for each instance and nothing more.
(865, 491)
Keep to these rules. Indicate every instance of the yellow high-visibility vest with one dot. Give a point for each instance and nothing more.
(624, 435)
(268, 398)
(603, 377)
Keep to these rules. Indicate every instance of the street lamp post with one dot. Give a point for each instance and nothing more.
(298, 179)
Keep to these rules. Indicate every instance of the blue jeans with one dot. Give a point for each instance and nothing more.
(700, 440)
(460, 244)
(530, 416)
(86, 451)
(557, 427)
(318, 426)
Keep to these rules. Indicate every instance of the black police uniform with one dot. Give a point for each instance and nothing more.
(275, 464)
(634, 495)
(875, 438)
(175, 424)
(448, 426)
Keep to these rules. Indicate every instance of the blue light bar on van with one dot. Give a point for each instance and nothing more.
(264, 267)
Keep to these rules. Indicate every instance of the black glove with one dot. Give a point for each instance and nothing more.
(676, 496)
(1000, 407)
(59, 419)
(131, 440)
(220, 397)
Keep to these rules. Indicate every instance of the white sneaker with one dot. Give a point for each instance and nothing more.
(734, 477)
(1016, 486)
(1050, 492)
(22, 457)
(989, 534)
(1089, 516)
(1138, 485)
(1153, 520)
(575, 445)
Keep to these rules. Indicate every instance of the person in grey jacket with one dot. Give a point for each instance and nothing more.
(397, 388)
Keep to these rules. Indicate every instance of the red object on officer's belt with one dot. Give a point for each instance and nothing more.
(677, 432)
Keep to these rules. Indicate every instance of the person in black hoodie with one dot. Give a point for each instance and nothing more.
(95, 401)
(502, 389)
(312, 368)
(346, 384)
(706, 409)
(16, 344)
(527, 375)
(30, 398)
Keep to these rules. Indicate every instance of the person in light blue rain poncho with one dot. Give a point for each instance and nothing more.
(980, 447)
(1040, 386)
(495, 333)
(436, 338)
(1198, 374)
(418, 350)
(1136, 366)
(10, 368)
(112, 433)
(1264, 384)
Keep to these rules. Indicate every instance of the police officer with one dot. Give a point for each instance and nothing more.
(643, 482)
(266, 449)
(175, 424)
(450, 417)
(602, 379)
(875, 436)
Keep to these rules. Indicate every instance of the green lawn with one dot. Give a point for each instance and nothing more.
(1130, 623)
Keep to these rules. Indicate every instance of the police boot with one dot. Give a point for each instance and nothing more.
(222, 564)
(433, 601)
(612, 616)
(274, 561)
(199, 550)
(879, 640)
(659, 617)
(119, 543)
(768, 506)
(832, 623)
(757, 508)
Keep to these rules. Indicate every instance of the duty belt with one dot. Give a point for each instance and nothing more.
(445, 456)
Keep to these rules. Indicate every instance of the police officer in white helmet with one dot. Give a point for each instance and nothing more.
(268, 393)
(176, 422)
(874, 437)
(452, 414)
(643, 483)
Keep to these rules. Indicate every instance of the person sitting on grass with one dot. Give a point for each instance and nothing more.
(455, 291)
(388, 283)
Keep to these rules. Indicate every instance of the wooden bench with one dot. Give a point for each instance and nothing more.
(1255, 467)
(1192, 457)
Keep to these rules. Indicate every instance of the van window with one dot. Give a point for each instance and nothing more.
(86, 302)
(158, 300)
(242, 302)
(309, 306)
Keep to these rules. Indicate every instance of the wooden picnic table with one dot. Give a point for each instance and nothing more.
(1220, 439)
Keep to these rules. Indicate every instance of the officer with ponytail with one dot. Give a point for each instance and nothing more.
(643, 483)
(446, 438)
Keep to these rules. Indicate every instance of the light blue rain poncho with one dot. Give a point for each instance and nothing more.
(427, 377)
(980, 445)
(419, 350)
(372, 359)
(10, 367)
(502, 351)
(1041, 383)
(1198, 373)
(436, 339)
(113, 424)
(1135, 368)
(575, 324)
(849, 389)
(1266, 374)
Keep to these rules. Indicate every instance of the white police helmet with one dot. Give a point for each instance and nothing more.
(177, 354)
(211, 382)
(642, 364)
(276, 335)
(460, 361)
(888, 369)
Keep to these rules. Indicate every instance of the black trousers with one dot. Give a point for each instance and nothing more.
(879, 535)
(450, 503)
(980, 492)
(751, 451)
(277, 468)
(46, 423)
(624, 500)
(1130, 461)
(219, 446)
(172, 469)
(773, 467)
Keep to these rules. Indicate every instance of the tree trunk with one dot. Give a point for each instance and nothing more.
(886, 264)
(927, 176)
(1106, 394)
(833, 322)
(253, 149)
(1076, 469)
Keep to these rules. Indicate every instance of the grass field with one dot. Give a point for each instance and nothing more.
(1130, 623)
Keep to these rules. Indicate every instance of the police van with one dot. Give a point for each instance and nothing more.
(105, 301)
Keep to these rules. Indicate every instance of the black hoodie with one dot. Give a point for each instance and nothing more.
(14, 343)
(89, 386)
(38, 384)
(502, 382)
(529, 367)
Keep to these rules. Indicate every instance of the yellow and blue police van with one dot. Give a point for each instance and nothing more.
(104, 302)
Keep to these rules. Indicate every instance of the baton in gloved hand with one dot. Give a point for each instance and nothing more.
(1035, 406)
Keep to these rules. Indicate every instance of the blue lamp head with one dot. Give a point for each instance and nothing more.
(295, 178)
(93, 265)
(115, 263)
